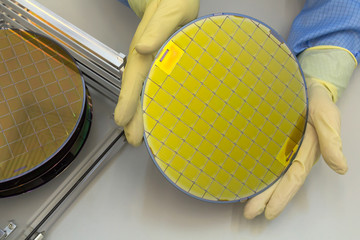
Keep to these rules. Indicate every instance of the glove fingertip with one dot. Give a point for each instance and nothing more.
(134, 141)
(133, 136)
(120, 119)
(135, 128)
(251, 215)
(342, 169)
(270, 215)
(145, 48)
(337, 162)
(253, 210)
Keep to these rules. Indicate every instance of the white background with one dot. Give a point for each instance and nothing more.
(130, 199)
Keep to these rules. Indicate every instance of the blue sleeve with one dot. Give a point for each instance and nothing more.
(125, 2)
(327, 22)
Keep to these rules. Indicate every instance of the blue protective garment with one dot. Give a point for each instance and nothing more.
(324, 22)
(125, 2)
(327, 22)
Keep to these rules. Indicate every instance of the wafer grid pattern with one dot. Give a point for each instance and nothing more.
(217, 123)
(41, 100)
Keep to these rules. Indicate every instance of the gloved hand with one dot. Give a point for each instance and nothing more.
(160, 19)
(327, 71)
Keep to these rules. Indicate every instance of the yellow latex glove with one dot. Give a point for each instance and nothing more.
(327, 71)
(160, 19)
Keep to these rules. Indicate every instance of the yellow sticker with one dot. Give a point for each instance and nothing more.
(169, 57)
(288, 150)
(286, 153)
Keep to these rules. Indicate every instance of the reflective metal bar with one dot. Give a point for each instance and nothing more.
(95, 56)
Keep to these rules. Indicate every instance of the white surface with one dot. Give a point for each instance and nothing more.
(130, 199)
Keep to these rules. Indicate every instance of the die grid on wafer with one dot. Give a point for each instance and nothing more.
(225, 108)
(41, 99)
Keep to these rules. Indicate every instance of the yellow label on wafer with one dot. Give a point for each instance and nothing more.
(169, 57)
(286, 153)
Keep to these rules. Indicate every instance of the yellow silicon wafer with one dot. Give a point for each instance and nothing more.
(225, 108)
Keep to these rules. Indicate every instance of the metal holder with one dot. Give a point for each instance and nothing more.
(95, 59)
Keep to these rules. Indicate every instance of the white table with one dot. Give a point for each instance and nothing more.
(130, 199)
